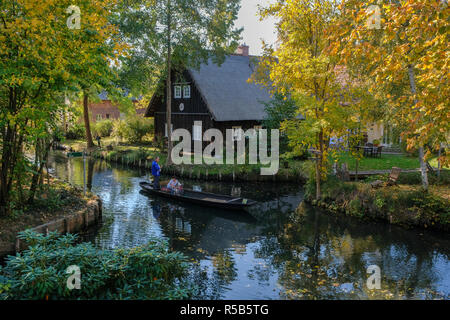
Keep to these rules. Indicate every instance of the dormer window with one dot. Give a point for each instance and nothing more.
(187, 92)
(177, 94)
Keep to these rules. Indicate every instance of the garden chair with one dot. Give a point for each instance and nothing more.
(368, 150)
(392, 179)
(377, 151)
(393, 176)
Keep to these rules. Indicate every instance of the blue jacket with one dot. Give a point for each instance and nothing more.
(156, 169)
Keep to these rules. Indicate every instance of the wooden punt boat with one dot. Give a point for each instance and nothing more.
(202, 198)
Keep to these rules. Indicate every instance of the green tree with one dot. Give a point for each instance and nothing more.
(278, 110)
(302, 68)
(407, 57)
(41, 59)
(171, 34)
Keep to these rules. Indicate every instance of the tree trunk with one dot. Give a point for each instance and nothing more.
(7, 165)
(38, 165)
(423, 166)
(169, 86)
(4, 171)
(423, 169)
(439, 162)
(87, 125)
(41, 157)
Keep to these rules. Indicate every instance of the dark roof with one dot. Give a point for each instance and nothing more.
(226, 91)
(104, 95)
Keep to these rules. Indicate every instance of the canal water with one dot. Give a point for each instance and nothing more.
(275, 251)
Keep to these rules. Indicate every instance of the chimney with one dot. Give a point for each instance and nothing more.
(243, 50)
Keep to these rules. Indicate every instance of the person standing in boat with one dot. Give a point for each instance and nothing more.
(156, 173)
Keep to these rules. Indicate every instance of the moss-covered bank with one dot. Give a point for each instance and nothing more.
(405, 205)
(292, 171)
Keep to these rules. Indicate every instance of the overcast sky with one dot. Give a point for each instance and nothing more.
(255, 30)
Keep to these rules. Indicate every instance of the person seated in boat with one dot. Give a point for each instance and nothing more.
(174, 185)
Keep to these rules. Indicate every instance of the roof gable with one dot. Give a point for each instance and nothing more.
(226, 90)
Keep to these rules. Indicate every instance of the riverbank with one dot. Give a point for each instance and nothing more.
(62, 208)
(405, 204)
(290, 170)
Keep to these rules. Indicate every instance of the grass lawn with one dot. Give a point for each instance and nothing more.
(434, 163)
(80, 145)
(386, 162)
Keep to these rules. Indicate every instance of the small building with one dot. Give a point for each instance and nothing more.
(106, 109)
(219, 96)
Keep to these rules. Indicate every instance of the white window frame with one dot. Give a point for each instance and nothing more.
(177, 92)
(197, 133)
(99, 117)
(237, 134)
(165, 129)
(187, 94)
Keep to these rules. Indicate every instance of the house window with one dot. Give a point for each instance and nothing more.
(187, 92)
(237, 133)
(177, 92)
(122, 116)
(197, 133)
(165, 129)
(99, 117)
(107, 116)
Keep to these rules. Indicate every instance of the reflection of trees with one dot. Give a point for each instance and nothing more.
(203, 243)
(124, 179)
(178, 239)
(89, 173)
(224, 266)
(316, 256)
(212, 284)
(209, 233)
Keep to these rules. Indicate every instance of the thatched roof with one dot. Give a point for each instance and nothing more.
(226, 91)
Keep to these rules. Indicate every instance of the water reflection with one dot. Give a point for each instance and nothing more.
(273, 252)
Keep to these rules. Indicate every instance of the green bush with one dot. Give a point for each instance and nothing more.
(103, 128)
(355, 208)
(138, 127)
(330, 187)
(119, 129)
(415, 178)
(133, 129)
(40, 272)
(76, 131)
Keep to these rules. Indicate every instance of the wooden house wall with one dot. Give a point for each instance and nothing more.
(195, 109)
